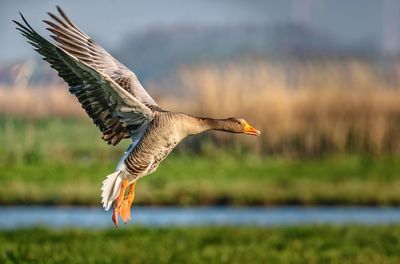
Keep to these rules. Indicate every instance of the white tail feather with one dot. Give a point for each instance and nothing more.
(110, 189)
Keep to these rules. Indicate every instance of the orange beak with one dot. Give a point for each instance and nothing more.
(249, 130)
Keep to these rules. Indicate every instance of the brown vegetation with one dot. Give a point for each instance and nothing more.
(38, 102)
(305, 109)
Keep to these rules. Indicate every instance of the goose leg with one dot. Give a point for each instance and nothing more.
(127, 203)
(119, 201)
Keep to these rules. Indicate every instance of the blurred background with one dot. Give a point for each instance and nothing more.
(320, 79)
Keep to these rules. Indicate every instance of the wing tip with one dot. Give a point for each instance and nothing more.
(59, 9)
(25, 27)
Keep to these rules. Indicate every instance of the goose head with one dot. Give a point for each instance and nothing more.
(239, 125)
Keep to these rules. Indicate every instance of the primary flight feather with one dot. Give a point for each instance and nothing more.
(118, 104)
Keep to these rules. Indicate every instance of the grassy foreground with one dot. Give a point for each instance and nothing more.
(313, 244)
(55, 161)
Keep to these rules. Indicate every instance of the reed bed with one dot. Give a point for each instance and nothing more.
(303, 109)
(38, 102)
(307, 109)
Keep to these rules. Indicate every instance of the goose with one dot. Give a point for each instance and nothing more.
(120, 107)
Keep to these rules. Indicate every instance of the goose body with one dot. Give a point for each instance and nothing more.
(120, 107)
(160, 138)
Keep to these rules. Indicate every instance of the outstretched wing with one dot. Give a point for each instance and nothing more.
(114, 110)
(71, 39)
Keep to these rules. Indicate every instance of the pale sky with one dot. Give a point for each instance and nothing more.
(108, 21)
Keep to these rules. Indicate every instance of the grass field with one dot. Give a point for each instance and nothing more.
(310, 244)
(63, 161)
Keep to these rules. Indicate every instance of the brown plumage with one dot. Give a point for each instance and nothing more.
(117, 103)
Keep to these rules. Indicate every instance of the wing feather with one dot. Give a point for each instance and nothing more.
(113, 109)
(70, 38)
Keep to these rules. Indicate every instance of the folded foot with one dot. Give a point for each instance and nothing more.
(125, 210)
(122, 205)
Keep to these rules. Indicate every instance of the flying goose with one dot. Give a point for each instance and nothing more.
(119, 106)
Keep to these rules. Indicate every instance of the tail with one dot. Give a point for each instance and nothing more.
(110, 189)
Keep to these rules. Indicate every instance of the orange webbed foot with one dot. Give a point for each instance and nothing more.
(125, 211)
(122, 206)
(127, 204)
(115, 217)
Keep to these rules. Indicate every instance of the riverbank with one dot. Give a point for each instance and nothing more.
(63, 162)
(198, 180)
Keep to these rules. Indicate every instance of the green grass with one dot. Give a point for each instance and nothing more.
(54, 161)
(310, 244)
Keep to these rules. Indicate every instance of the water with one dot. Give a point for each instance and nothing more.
(89, 217)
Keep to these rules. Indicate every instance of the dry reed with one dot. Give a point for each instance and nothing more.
(306, 109)
(309, 109)
(38, 102)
